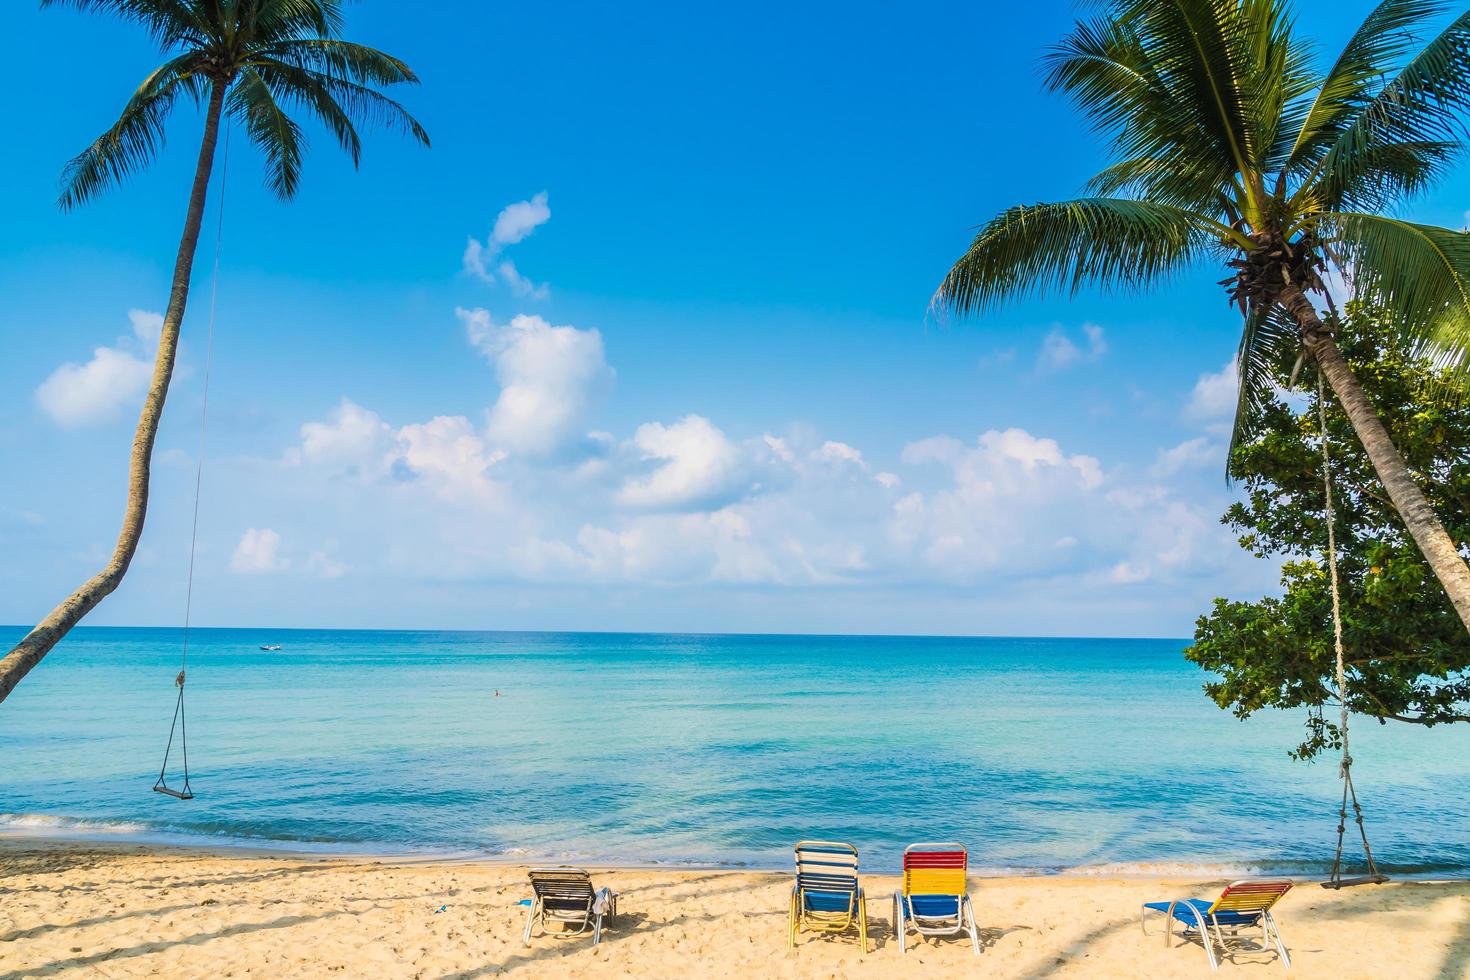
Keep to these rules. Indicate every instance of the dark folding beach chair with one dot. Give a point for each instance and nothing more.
(566, 896)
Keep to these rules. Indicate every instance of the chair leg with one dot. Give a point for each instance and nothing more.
(1206, 940)
(597, 929)
(1280, 943)
(862, 904)
(899, 926)
(974, 932)
(530, 921)
(791, 920)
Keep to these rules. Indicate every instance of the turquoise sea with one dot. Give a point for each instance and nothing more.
(1041, 754)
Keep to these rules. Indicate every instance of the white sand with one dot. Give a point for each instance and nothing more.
(79, 910)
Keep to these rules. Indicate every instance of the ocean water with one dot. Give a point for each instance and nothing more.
(1043, 755)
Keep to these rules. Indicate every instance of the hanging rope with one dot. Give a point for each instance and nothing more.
(1345, 768)
(179, 723)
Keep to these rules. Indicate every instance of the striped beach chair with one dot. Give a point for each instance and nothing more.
(935, 900)
(1244, 904)
(826, 897)
(565, 896)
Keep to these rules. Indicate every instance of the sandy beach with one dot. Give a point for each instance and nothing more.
(72, 909)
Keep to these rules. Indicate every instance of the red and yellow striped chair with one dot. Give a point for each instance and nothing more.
(1244, 904)
(935, 900)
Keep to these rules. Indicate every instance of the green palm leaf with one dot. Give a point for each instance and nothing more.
(1418, 274)
(132, 142)
(273, 132)
(1105, 241)
(1423, 105)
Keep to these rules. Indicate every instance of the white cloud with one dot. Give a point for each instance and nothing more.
(519, 284)
(682, 503)
(1127, 573)
(1215, 394)
(513, 225)
(518, 220)
(550, 379)
(838, 452)
(258, 552)
(699, 466)
(447, 451)
(1188, 455)
(325, 566)
(115, 378)
(779, 448)
(1007, 491)
(1059, 351)
(354, 438)
(476, 260)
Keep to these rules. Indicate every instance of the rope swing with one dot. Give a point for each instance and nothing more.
(179, 724)
(1349, 794)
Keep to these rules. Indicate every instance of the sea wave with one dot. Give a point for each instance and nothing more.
(51, 826)
(21, 822)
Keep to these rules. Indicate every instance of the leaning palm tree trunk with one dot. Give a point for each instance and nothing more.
(38, 642)
(1424, 526)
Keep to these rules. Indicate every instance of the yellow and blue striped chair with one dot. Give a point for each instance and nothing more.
(826, 897)
(1244, 904)
(935, 900)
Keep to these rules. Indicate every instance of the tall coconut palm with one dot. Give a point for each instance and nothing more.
(1231, 145)
(253, 61)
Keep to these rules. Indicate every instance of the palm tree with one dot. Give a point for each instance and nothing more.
(1230, 144)
(253, 61)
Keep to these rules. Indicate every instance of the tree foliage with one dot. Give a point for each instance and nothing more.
(272, 58)
(1408, 657)
(1233, 144)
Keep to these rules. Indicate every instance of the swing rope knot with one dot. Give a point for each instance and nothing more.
(179, 681)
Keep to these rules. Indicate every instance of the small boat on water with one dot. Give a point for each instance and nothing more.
(270, 646)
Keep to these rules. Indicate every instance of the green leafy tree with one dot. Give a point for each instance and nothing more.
(1408, 659)
(1232, 146)
(256, 62)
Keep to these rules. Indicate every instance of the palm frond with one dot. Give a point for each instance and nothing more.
(340, 104)
(297, 18)
(307, 90)
(1374, 50)
(1111, 242)
(134, 140)
(1167, 152)
(1424, 104)
(1200, 48)
(343, 59)
(272, 131)
(168, 22)
(1417, 274)
(1268, 339)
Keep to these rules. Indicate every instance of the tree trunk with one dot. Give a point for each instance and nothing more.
(39, 641)
(1429, 534)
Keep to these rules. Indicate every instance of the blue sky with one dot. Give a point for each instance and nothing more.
(722, 406)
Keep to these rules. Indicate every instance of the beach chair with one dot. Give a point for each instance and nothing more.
(826, 897)
(1244, 904)
(935, 900)
(566, 896)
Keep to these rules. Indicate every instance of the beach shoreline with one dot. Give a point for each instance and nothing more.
(125, 909)
(12, 838)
